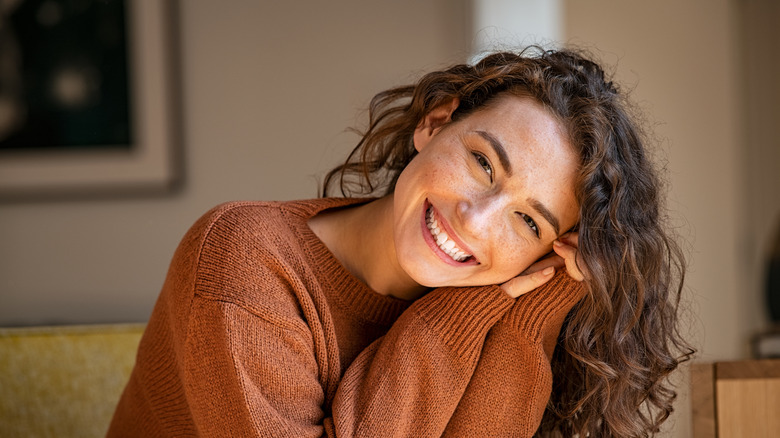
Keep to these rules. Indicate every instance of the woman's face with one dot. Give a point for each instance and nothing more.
(486, 196)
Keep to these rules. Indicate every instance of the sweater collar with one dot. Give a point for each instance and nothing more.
(350, 291)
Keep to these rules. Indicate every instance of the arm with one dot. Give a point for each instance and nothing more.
(247, 375)
(409, 382)
(511, 384)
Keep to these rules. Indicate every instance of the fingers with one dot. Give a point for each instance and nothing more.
(525, 283)
(569, 254)
(564, 255)
(551, 259)
(571, 238)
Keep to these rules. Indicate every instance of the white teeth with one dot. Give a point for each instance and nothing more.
(442, 239)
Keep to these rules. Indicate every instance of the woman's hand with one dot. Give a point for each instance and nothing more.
(566, 247)
(565, 254)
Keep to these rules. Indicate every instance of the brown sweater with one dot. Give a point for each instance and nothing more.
(260, 331)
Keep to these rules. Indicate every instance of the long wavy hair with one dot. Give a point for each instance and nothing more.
(619, 345)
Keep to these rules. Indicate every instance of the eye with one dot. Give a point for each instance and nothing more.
(484, 163)
(530, 222)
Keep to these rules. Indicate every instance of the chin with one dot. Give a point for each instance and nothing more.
(431, 281)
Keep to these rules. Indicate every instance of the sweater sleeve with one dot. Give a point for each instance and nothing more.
(510, 387)
(409, 382)
(248, 374)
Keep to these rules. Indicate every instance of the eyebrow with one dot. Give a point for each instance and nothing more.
(547, 214)
(500, 151)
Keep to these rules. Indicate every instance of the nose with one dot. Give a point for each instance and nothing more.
(482, 215)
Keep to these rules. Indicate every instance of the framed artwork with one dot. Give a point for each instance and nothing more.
(86, 97)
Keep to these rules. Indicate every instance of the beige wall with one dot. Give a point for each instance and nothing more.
(760, 149)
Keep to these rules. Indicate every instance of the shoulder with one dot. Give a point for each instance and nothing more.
(239, 221)
(226, 228)
(258, 226)
(249, 251)
(239, 215)
(242, 241)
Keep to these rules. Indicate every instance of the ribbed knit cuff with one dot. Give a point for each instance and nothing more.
(463, 316)
(539, 315)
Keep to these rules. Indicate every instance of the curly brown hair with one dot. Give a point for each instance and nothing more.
(622, 341)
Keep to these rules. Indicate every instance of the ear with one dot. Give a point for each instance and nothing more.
(432, 123)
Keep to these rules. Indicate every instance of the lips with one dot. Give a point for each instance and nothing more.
(443, 240)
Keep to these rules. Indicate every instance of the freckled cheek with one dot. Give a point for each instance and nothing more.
(452, 177)
(516, 256)
(443, 179)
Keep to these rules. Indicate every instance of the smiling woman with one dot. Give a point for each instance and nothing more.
(434, 309)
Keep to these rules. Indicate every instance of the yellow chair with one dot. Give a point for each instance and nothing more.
(63, 381)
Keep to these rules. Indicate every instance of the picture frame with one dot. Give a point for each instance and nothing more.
(151, 164)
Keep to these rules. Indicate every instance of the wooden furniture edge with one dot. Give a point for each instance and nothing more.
(703, 400)
(748, 369)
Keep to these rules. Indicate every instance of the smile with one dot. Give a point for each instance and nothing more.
(442, 240)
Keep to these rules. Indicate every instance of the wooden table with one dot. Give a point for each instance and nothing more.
(736, 399)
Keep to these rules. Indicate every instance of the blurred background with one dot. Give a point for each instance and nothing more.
(263, 93)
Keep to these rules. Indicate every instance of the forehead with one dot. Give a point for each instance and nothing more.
(523, 125)
(522, 112)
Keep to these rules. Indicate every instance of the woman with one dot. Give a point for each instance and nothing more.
(400, 316)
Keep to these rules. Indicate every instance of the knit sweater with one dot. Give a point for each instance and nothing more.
(260, 331)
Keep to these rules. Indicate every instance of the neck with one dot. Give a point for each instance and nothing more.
(361, 238)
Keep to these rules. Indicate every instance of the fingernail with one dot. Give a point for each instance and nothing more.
(548, 271)
(557, 243)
